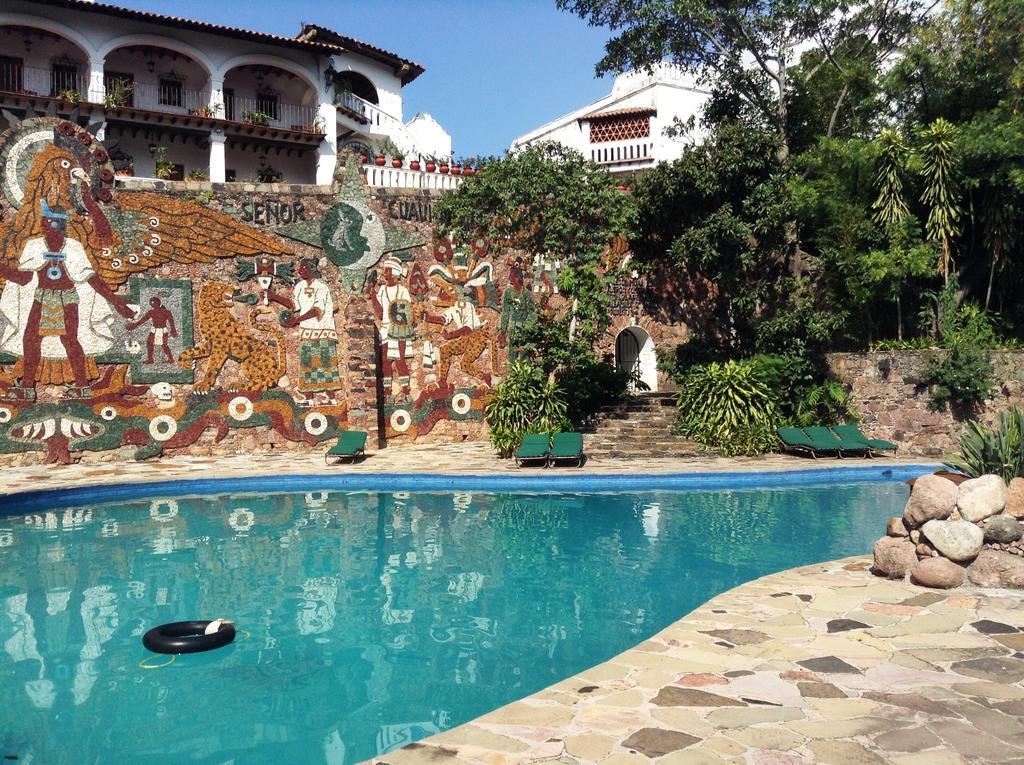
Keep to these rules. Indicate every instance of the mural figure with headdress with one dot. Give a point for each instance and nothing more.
(517, 308)
(55, 305)
(311, 309)
(72, 243)
(393, 305)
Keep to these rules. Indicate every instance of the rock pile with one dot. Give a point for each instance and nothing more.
(948, 534)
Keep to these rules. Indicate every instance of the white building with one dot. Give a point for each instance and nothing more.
(206, 99)
(625, 130)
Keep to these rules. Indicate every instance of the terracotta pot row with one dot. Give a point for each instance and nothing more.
(415, 164)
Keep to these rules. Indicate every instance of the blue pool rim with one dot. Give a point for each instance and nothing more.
(567, 482)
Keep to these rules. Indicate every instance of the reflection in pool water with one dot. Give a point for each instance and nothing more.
(368, 619)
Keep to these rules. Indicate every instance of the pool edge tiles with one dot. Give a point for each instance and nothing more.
(26, 501)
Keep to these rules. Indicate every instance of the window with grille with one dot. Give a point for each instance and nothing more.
(622, 128)
(63, 77)
(12, 74)
(267, 103)
(172, 92)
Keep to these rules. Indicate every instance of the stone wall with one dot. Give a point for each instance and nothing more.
(894, 404)
(237, 318)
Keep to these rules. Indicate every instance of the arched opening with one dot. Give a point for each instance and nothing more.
(346, 83)
(263, 94)
(155, 78)
(634, 353)
(37, 62)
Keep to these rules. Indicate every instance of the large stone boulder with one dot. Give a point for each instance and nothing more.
(979, 498)
(938, 572)
(894, 557)
(1002, 529)
(957, 540)
(897, 528)
(997, 569)
(1015, 498)
(932, 498)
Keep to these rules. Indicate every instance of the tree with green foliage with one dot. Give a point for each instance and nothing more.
(751, 50)
(547, 199)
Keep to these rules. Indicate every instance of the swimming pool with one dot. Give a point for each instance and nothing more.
(368, 619)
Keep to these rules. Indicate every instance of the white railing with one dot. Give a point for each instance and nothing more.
(380, 122)
(31, 81)
(260, 111)
(617, 152)
(402, 178)
(155, 98)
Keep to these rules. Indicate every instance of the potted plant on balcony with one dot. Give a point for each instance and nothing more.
(444, 168)
(457, 166)
(267, 174)
(164, 167)
(256, 118)
(414, 164)
(430, 162)
(70, 95)
(118, 94)
(207, 112)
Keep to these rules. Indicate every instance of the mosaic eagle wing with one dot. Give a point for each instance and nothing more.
(156, 229)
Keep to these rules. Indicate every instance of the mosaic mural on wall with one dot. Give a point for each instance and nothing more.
(137, 321)
(102, 345)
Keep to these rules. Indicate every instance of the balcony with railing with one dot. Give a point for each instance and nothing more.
(627, 154)
(59, 82)
(267, 112)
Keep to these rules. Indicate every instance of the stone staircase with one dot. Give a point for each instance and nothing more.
(639, 427)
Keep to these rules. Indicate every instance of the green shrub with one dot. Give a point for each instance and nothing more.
(825, 403)
(729, 406)
(591, 384)
(524, 402)
(963, 378)
(998, 450)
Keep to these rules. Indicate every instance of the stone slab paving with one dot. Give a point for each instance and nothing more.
(452, 459)
(822, 664)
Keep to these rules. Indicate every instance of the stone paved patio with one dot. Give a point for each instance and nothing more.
(454, 459)
(823, 664)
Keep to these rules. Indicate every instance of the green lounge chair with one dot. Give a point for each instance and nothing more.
(824, 440)
(533, 448)
(566, 446)
(796, 440)
(853, 434)
(351, 444)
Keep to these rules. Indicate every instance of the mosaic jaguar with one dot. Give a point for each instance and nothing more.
(224, 337)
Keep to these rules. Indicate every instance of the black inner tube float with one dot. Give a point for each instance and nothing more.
(188, 637)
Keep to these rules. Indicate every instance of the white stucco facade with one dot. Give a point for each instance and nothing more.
(663, 96)
(245, 99)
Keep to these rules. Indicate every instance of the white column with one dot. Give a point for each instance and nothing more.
(96, 88)
(217, 96)
(327, 154)
(218, 160)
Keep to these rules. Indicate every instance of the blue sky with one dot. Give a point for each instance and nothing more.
(495, 68)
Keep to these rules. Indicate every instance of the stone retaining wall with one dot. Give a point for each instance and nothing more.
(894, 404)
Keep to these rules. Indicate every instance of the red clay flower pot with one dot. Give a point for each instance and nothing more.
(431, 167)
(414, 165)
(379, 160)
(396, 163)
(443, 169)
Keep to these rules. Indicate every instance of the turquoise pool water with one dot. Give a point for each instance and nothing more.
(370, 619)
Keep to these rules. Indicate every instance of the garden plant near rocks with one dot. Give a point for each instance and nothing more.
(950, 534)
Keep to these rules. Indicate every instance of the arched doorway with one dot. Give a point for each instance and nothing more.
(634, 352)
